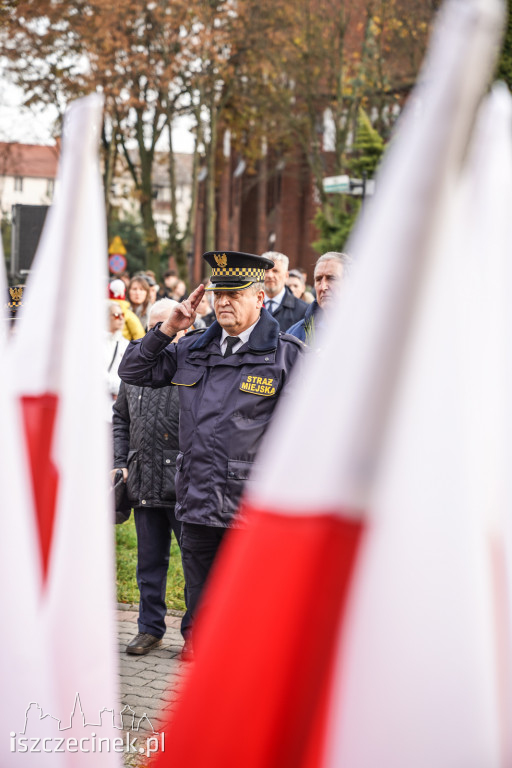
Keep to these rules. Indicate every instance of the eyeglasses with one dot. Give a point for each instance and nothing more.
(117, 315)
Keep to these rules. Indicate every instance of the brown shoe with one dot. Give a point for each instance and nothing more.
(143, 643)
(187, 652)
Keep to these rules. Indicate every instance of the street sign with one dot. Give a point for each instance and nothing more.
(347, 186)
(336, 184)
(117, 246)
(117, 263)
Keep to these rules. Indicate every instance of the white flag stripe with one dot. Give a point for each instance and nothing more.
(62, 338)
(352, 382)
(23, 669)
(420, 669)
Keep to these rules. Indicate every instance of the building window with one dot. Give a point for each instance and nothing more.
(50, 186)
(18, 183)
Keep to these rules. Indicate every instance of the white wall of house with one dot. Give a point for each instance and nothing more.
(24, 190)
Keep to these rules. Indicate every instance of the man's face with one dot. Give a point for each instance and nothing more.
(237, 310)
(170, 282)
(275, 279)
(328, 276)
(296, 286)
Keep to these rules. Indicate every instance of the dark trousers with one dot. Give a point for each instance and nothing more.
(154, 528)
(199, 546)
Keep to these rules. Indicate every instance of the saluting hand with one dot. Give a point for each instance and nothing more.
(183, 316)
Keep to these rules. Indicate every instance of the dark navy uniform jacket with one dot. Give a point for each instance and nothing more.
(225, 408)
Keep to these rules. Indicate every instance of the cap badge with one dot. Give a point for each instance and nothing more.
(16, 293)
(222, 260)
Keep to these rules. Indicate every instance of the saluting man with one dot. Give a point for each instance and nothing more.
(230, 377)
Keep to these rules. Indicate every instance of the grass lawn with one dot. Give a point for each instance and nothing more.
(126, 563)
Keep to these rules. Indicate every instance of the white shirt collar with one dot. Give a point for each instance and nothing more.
(243, 336)
(276, 299)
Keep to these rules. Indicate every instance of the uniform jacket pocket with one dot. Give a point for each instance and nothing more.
(238, 474)
(187, 379)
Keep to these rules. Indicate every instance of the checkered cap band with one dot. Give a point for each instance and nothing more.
(244, 273)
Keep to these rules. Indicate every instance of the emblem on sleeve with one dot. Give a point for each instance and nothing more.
(258, 385)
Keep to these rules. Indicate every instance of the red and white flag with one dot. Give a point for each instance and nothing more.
(60, 549)
(361, 619)
(22, 657)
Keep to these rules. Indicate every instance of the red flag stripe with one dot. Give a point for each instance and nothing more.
(302, 565)
(39, 414)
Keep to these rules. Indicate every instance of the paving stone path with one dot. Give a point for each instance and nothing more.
(150, 685)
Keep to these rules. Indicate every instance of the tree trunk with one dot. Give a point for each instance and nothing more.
(146, 201)
(210, 179)
(188, 235)
(108, 177)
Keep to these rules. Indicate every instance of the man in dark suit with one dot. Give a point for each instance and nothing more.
(286, 308)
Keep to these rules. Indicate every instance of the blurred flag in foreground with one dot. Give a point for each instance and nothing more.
(22, 659)
(59, 550)
(361, 619)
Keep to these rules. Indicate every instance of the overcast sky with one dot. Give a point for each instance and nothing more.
(34, 125)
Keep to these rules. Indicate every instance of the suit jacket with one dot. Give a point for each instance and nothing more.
(290, 310)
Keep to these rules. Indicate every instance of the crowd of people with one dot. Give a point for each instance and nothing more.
(194, 380)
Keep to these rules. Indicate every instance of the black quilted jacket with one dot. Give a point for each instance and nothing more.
(145, 426)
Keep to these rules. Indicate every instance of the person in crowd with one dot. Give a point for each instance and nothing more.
(230, 378)
(153, 286)
(205, 315)
(328, 275)
(125, 277)
(297, 286)
(279, 300)
(145, 430)
(115, 345)
(180, 291)
(309, 288)
(139, 298)
(170, 280)
(132, 328)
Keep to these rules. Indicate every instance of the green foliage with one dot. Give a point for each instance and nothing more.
(334, 222)
(336, 218)
(367, 149)
(126, 564)
(132, 234)
(504, 70)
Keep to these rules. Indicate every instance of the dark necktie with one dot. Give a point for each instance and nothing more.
(270, 306)
(230, 343)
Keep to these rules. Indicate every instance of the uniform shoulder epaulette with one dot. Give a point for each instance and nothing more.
(194, 332)
(294, 339)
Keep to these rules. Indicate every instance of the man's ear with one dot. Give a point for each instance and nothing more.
(261, 298)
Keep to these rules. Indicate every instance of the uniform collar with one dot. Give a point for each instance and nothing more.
(263, 338)
(243, 336)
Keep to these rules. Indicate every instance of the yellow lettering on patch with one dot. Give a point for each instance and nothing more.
(258, 385)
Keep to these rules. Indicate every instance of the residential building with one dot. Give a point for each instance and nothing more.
(27, 175)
